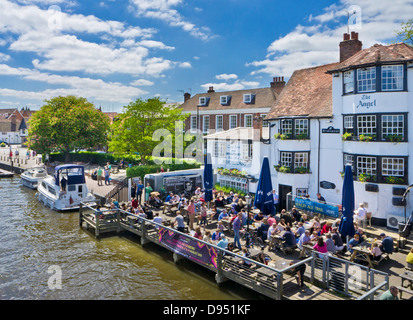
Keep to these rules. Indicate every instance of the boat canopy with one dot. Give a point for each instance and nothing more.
(75, 174)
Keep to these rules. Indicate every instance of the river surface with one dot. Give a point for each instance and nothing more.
(34, 238)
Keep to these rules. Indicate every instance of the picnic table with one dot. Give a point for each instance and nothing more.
(169, 205)
(361, 252)
(408, 277)
(305, 249)
(227, 224)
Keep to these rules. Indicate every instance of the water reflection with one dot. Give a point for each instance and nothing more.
(33, 238)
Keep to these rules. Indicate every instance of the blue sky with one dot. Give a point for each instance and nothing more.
(112, 52)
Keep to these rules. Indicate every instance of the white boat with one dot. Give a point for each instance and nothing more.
(30, 178)
(66, 189)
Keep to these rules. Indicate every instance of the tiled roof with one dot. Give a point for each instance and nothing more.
(307, 93)
(377, 54)
(264, 98)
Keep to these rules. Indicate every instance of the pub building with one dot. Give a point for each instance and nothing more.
(355, 112)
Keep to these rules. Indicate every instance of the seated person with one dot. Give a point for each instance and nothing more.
(304, 239)
(158, 219)
(386, 243)
(375, 252)
(223, 243)
(331, 247)
(219, 202)
(169, 197)
(281, 226)
(296, 214)
(338, 242)
(258, 217)
(288, 218)
(272, 231)
(245, 254)
(223, 214)
(353, 242)
(314, 236)
(216, 235)
(320, 247)
(262, 230)
(300, 229)
(327, 227)
(289, 238)
(304, 218)
(360, 232)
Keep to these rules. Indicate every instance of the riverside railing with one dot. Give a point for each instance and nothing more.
(331, 273)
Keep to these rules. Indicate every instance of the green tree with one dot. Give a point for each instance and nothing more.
(137, 125)
(406, 33)
(67, 123)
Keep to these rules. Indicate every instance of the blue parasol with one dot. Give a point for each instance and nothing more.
(346, 227)
(208, 178)
(263, 197)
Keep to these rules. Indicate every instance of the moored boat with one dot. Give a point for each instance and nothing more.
(65, 189)
(30, 178)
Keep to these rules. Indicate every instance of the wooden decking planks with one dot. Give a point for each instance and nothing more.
(292, 291)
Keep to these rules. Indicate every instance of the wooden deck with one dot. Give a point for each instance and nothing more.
(269, 282)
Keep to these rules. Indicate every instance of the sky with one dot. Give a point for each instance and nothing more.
(113, 52)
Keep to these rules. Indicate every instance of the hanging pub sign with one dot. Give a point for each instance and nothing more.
(330, 129)
(327, 185)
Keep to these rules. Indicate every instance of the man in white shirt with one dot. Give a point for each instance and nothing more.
(360, 214)
(157, 219)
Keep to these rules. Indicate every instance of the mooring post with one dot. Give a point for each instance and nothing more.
(219, 277)
(80, 214)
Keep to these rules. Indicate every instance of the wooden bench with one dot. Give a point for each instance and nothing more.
(384, 256)
(403, 289)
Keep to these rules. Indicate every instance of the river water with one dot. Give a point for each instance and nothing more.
(34, 238)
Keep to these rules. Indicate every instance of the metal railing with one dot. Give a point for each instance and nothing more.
(352, 280)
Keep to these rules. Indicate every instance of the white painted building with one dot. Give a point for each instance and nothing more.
(366, 97)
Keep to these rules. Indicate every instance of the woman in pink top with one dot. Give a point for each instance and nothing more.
(321, 246)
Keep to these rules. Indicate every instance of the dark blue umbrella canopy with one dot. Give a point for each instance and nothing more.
(208, 178)
(346, 227)
(263, 197)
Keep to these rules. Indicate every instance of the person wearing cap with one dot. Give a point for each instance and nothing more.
(386, 243)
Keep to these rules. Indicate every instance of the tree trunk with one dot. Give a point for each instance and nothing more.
(67, 156)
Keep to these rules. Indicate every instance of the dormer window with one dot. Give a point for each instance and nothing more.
(202, 101)
(224, 100)
(247, 98)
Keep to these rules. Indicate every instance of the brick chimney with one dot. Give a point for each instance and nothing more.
(187, 96)
(211, 89)
(277, 84)
(350, 46)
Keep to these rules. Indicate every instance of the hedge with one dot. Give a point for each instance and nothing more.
(141, 171)
(227, 190)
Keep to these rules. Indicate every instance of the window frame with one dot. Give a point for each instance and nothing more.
(245, 96)
(219, 116)
(379, 132)
(204, 117)
(383, 77)
(202, 99)
(233, 116)
(370, 87)
(292, 164)
(245, 120)
(291, 128)
(380, 175)
(222, 102)
(192, 122)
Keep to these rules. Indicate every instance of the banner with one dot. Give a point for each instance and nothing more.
(316, 207)
(189, 247)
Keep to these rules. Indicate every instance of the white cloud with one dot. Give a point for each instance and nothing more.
(141, 82)
(163, 10)
(226, 77)
(86, 87)
(318, 43)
